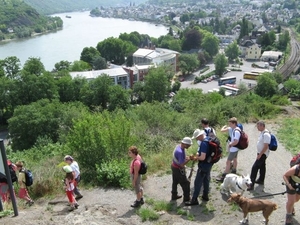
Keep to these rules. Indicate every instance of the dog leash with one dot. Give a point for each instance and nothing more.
(262, 196)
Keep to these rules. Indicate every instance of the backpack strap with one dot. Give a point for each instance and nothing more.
(297, 171)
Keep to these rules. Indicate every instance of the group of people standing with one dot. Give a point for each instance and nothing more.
(17, 168)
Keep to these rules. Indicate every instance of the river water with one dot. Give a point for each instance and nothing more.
(78, 32)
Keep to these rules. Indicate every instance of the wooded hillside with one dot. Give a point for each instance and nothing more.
(18, 19)
(56, 6)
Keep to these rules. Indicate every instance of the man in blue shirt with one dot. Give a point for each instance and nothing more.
(178, 170)
(204, 168)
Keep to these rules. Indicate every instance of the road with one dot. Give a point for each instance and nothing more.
(246, 67)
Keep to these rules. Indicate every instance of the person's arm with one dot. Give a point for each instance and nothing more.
(20, 179)
(136, 168)
(287, 175)
(224, 128)
(267, 138)
(235, 139)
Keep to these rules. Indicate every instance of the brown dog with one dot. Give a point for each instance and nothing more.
(253, 205)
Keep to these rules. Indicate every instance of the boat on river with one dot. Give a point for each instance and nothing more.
(67, 16)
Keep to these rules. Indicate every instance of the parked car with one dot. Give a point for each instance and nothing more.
(204, 81)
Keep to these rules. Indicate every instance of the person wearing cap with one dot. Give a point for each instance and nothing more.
(204, 168)
(75, 167)
(263, 152)
(233, 151)
(178, 170)
(23, 193)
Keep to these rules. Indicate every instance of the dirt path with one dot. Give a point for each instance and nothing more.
(112, 206)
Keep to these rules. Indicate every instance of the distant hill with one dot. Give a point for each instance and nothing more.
(56, 6)
(18, 19)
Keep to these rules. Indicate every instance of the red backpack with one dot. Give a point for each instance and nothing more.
(243, 141)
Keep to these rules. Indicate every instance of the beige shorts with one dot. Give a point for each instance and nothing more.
(138, 186)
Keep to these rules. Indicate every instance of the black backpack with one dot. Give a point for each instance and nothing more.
(13, 175)
(215, 150)
(143, 168)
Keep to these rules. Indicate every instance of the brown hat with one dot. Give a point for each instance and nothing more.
(19, 164)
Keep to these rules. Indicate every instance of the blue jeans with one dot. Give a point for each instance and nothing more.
(202, 177)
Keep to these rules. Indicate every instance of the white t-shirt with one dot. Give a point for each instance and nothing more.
(264, 137)
(235, 135)
(75, 167)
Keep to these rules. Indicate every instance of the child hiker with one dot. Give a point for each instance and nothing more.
(69, 186)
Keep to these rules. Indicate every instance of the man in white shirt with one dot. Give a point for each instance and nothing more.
(263, 151)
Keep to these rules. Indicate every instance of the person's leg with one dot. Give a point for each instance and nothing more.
(76, 191)
(175, 181)
(185, 185)
(262, 169)
(254, 171)
(230, 157)
(289, 208)
(206, 182)
(198, 184)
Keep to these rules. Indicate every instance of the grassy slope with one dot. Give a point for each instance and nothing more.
(56, 6)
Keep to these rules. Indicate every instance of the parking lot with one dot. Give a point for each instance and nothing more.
(246, 67)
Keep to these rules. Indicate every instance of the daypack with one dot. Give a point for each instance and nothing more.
(295, 160)
(273, 143)
(243, 141)
(28, 177)
(143, 168)
(13, 175)
(210, 132)
(215, 150)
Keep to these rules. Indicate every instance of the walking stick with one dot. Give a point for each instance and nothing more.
(192, 169)
(262, 196)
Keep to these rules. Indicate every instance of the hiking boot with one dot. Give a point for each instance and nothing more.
(142, 201)
(221, 178)
(288, 219)
(136, 204)
(259, 182)
(76, 206)
(30, 203)
(233, 171)
(78, 197)
(176, 197)
(192, 202)
(205, 198)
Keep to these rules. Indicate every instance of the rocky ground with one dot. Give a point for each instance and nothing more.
(112, 206)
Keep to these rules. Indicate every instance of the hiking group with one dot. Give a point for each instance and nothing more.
(23, 180)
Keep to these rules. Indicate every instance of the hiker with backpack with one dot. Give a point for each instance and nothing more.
(23, 192)
(178, 170)
(76, 172)
(204, 168)
(135, 176)
(4, 189)
(69, 186)
(263, 152)
(292, 182)
(233, 149)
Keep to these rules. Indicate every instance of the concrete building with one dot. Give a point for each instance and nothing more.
(271, 56)
(118, 75)
(253, 52)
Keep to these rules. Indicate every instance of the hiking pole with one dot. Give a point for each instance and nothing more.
(192, 170)
(267, 195)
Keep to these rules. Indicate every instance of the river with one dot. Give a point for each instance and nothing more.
(78, 32)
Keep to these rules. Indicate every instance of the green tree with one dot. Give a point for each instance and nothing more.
(220, 64)
(184, 18)
(210, 44)
(34, 66)
(89, 54)
(11, 67)
(99, 63)
(192, 39)
(188, 63)
(115, 50)
(157, 85)
(96, 92)
(118, 98)
(77, 66)
(175, 45)
(69, 89)
(244, 28)
(138, 92)
(232, 51)
(62, 65)
(39, 119)
(266, 85)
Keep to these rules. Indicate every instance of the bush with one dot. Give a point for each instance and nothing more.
(113, 173)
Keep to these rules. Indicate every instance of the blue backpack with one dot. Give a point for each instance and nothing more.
(239, 125)
(28, 177)
(273, 143)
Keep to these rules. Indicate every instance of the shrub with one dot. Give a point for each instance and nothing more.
(113, 173)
